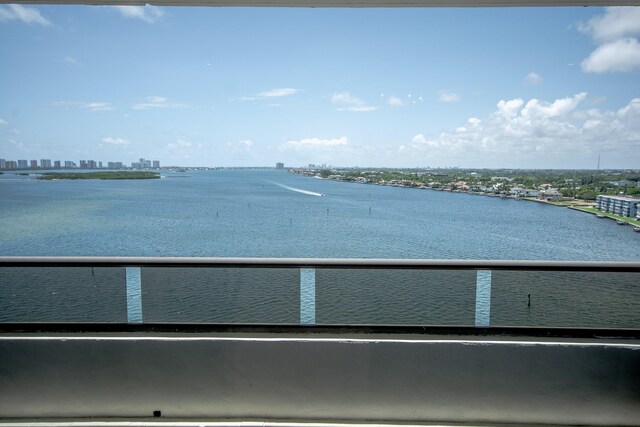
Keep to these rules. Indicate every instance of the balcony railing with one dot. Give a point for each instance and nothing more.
(341, 342)
(320, 292)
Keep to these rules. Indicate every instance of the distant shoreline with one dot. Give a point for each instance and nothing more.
(585, 206)
(52, 176)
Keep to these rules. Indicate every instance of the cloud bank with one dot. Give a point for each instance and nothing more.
(24, 14)
(538, 131)
(152, 102)
(615, 32)
(347, 102)
(147, 13)
(115, 141)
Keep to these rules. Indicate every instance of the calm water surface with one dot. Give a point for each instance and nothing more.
(252, 213)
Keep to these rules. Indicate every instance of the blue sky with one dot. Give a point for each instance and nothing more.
(490, 87)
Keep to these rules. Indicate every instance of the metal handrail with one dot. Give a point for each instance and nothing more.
(321, 263)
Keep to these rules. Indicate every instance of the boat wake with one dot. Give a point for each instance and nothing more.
(298, 190)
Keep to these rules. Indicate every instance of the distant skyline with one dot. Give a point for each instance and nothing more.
(472, 88)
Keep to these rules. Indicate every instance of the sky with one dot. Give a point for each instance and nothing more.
(432, 87)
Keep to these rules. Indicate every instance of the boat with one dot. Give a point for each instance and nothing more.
(636, 229)
(600, 216)
(620, 222)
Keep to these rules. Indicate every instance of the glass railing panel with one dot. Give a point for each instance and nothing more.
(565, 299)
(63, 294)
(221, 295)
(406, 297)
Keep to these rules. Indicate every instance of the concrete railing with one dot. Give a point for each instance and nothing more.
(142, 365)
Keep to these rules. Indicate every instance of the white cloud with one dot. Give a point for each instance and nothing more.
(93, 106)
(115, 141)
(71, 60)
(448, 97)
(544, 110)
(146, 13)
(537, 132)
(315, 144)
(621, 55)
(616, 23)
(3, 122)
(179, 144)
(533, 79)
(348, 102)
(419, 139)
(509, 108)
(285, 91)
(395, 101)
(273, 93)
(27, 15)
(618, 50)
(243, 146)
(98, 106)
(157, 102)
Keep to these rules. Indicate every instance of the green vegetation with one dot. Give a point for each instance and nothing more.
(325, 173)
(611, 215)
(99, 175)
(572, 184)
(572, 203)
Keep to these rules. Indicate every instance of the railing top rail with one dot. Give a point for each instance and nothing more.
(341, 3)
(322, 263)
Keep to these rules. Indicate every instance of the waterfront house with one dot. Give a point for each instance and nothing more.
(550, 195)
(524, 192)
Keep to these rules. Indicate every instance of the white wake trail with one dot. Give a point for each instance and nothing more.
(298, 190)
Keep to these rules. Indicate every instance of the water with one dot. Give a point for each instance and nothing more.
(265, 213)
(268, 213)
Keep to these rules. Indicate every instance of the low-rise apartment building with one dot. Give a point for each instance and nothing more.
(625, 206)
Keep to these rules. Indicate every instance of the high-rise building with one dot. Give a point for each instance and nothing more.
(23, 164)
(11, 164)
(3, 163)
(91, 164)
(136, 165)
(156, 164)
(57, 164)
(69, 164)
(34, 164)
(144, 163)
(279, 165)
(45, 163)
(99, 165)
(115, 165)
(83, 164)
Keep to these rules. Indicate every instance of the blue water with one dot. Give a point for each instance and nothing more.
(259, 213)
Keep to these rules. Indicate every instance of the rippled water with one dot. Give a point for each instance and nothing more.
(259, 213)
(267, 213)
